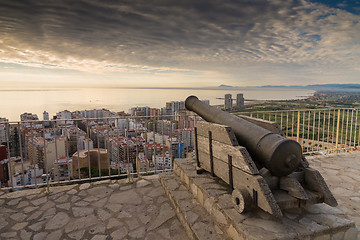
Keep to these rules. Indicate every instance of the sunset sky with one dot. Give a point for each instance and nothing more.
(91, 43)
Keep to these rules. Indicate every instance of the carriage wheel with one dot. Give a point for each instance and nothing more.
(241, 199)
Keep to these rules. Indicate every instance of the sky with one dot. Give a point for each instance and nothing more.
(188, 43)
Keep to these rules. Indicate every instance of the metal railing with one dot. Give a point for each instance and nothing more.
(317, 130)
(38, 153)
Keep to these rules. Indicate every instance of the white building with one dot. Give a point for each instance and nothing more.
(122, 124)
(240, 101)
(97, 113)
(45, 152)
(64, 115)
(162, 162)
(28, 117)
(84, 143)
(31, 174)
(46, 116)
(186, 136)
(161, 138)
(228, 105)
(62, 169)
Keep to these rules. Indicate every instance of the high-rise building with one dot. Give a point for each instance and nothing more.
(28, 117)
(124, 150)
(45, 116)
(2, 133)
(122, 124)
(62, 169)
(186, 136)
(185, 119)
(46, 119)
(175, 106)
(73, 134)
(155, 113)
(166, 113)
(165, 127)
(240, 101)
(228, 105)
(176, 148)
(142, 163)
(140, 111)
(153, 149)
(162, 161)
(24, 172)
(97, 113)
(64, 115)
(84, 143)
(4, 172)
(45, 152)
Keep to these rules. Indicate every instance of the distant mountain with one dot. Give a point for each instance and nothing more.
(352, 85)
(324, 87)
(281, 86)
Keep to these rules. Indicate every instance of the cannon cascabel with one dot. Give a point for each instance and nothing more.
(277, 153)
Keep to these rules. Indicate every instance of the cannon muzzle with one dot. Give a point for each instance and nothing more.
(280, 155)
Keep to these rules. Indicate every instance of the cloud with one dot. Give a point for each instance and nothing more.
(182, 37)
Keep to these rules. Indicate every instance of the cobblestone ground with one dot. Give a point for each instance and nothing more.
(107, 209)
(342, 174)
(140, 210)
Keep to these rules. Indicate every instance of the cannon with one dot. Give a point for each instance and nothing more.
(263, 168)
(278, 154)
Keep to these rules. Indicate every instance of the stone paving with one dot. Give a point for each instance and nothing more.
(114, 209)
(342, 174)
(109, 209)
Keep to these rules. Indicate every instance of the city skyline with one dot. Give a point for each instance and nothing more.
(182, 44)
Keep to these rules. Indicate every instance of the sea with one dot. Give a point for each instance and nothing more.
(36, 101)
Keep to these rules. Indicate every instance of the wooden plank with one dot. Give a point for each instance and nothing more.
(240, 156)
(293, 187)
(298, 175)
(304, 163)
(252, 183)
(196, 148)
(314, 181)
(220, 133)
(272, 181)
(313, 198)
(211, 154)
(271, 126)
(230, 170)
(285, 201)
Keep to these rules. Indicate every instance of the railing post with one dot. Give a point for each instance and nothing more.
(298, 127)
(337, 131)
(7, 132)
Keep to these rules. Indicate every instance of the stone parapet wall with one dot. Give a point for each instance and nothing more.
(318, 221)
(196, 221)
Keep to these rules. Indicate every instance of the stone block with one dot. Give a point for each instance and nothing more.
(323, 237)
(233, 234)
(219, 216)
(200, 197)
(186, 178)
(338, 236)
(351, 234)
(194, 189)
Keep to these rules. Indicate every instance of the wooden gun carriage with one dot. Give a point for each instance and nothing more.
(218, 151)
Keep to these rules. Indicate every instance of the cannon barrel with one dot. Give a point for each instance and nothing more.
(278, 154)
